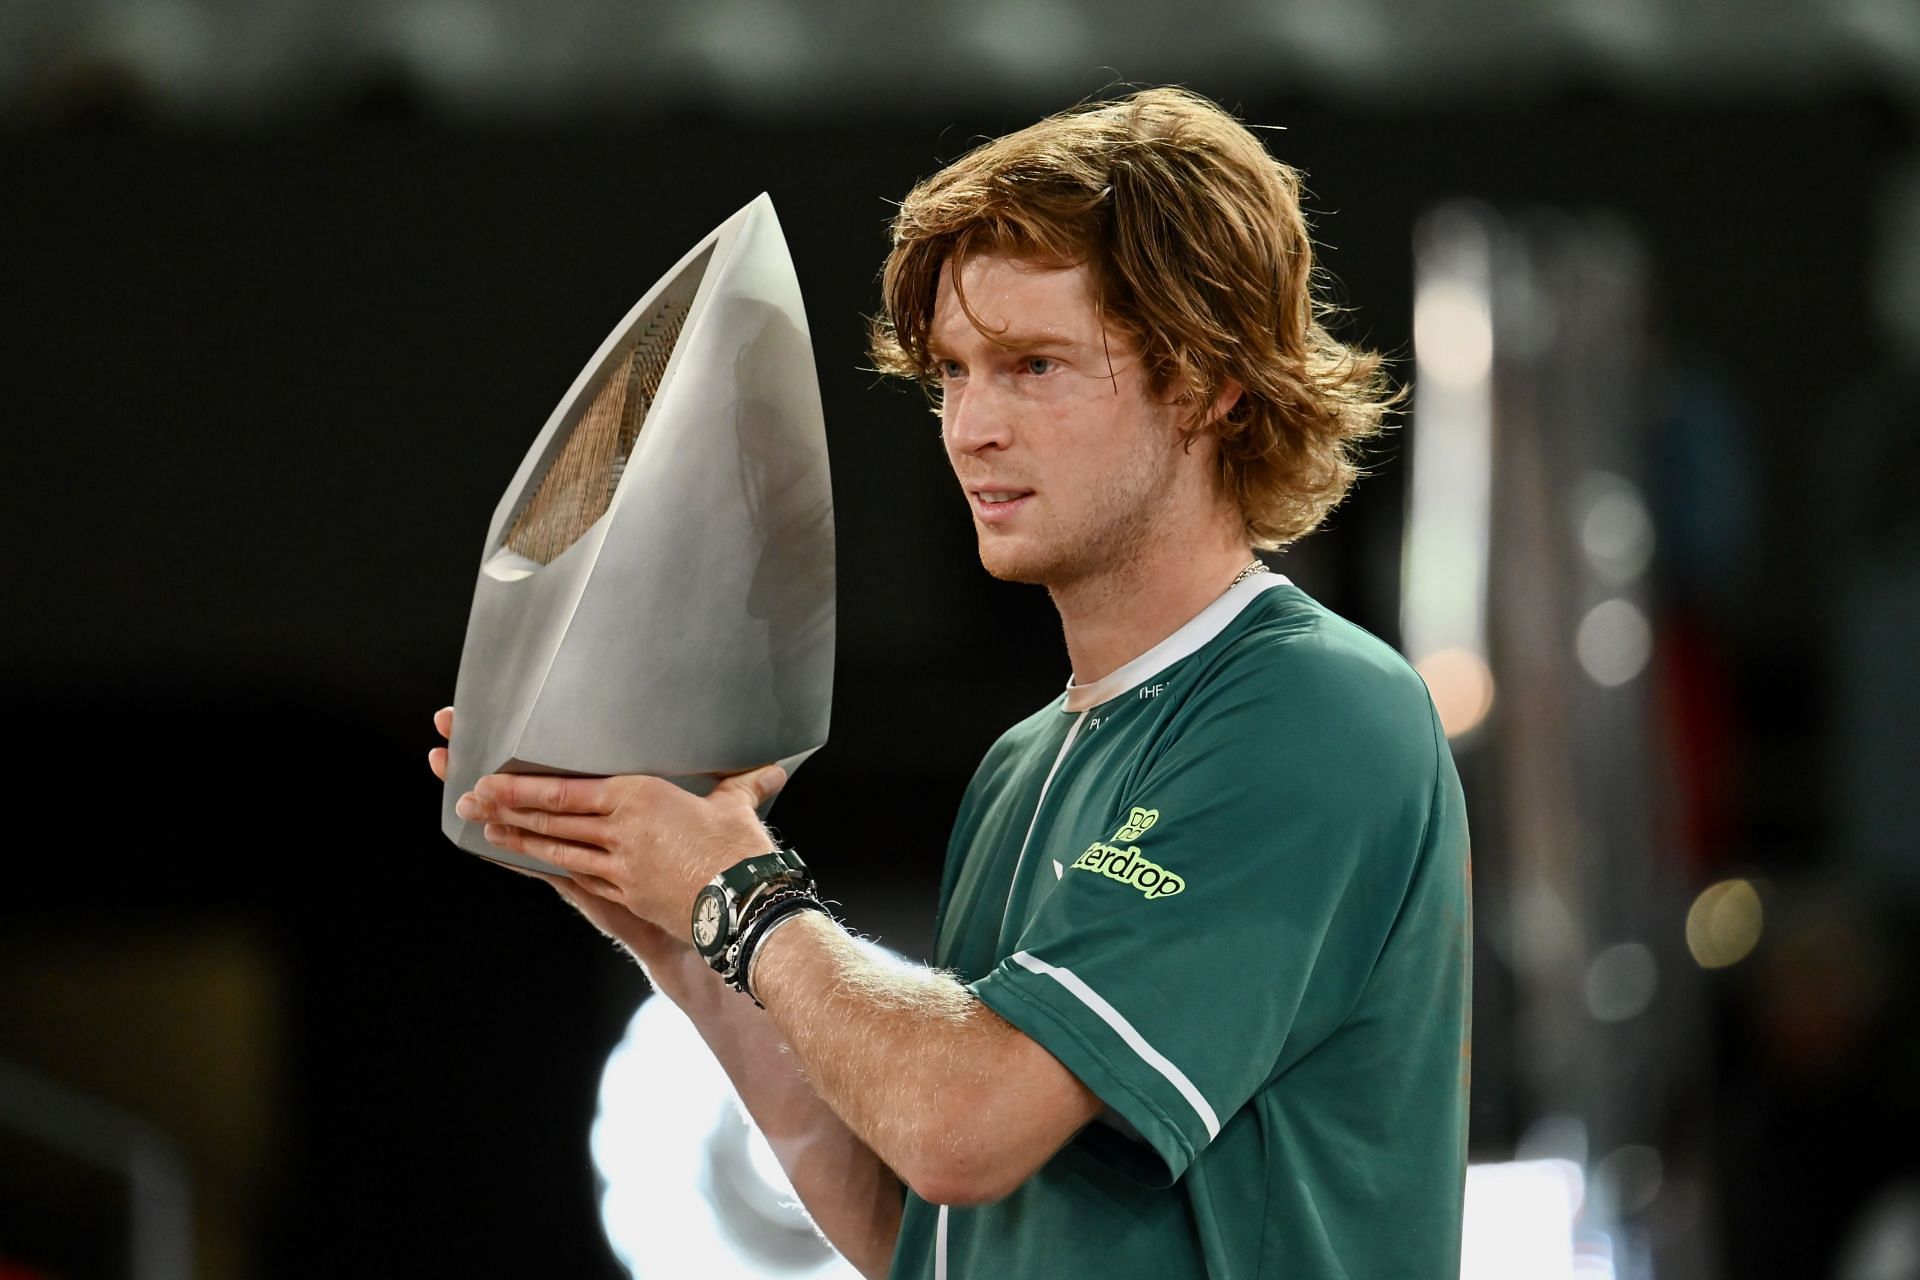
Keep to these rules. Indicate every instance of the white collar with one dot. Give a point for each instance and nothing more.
(1192, 635)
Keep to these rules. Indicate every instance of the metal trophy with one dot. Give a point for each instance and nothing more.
(656, 594)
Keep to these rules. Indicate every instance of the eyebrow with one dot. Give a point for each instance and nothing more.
(1012, 340)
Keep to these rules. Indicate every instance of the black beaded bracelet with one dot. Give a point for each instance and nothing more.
(776, 908)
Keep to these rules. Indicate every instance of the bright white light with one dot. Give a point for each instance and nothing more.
(1449, 488)
(1519, 1220)
(683, 1193)
(1594, 1261)
(1621, 982)
(1614, 642)
(1453, 333)
(766, 1165)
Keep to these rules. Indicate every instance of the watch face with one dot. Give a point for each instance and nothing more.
(706, 918)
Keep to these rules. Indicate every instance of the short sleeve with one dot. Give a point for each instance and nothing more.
(1227, 916)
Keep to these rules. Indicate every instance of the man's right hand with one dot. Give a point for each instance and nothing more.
(853, 1197)
(659, 953)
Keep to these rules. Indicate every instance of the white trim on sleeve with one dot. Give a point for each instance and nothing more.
(1125, 1030)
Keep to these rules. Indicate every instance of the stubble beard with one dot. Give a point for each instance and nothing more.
(1106, 547)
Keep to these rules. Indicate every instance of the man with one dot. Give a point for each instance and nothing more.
(1204, 923)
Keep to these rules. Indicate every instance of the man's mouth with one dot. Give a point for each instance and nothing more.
(998, 504)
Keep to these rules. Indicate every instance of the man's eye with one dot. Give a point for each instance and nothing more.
(948, 370)
(1038, 365)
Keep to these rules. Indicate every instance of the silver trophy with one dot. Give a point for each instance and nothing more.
(656, 594)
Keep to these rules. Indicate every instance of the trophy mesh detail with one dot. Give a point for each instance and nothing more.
(577, 487)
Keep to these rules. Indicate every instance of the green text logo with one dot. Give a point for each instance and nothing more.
(1128, 867)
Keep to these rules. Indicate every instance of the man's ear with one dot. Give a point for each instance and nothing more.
(1223, 404)
(1204, 421)
(1201, 416)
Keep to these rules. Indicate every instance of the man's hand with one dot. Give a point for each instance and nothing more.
(640, 842)
(659, 952)
(437, 758)
(853, 1197)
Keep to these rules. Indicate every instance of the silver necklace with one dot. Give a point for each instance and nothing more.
(1258, 566)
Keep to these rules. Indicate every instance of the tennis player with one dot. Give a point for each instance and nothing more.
(1199, 1001)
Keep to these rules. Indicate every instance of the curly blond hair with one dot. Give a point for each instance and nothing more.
(1200, 256)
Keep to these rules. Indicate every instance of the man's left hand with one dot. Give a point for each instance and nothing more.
(642, 842)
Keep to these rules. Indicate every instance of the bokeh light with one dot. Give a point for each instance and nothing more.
(688, 1186)
(1614, 642)
(1724, 923)
(1621, 982)
(1615, 528)
(1631, 1177)
(1453, 333)
(1462, 687)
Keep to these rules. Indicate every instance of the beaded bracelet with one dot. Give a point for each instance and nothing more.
(775, 908)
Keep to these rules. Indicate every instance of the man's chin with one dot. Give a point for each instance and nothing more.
(1006, 563)
(1017, 564)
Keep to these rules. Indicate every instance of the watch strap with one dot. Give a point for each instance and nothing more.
(775, 864)
(738, 894)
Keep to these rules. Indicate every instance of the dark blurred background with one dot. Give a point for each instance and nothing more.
(287, 288)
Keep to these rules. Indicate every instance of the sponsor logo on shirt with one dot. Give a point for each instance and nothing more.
(1137, 823)
(1125, 863)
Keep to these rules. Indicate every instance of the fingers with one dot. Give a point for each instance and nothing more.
(551, 837)
(757, 785)
(437, 757)
(590, 830)
(543, 791)
(585, 882)
(574, 859)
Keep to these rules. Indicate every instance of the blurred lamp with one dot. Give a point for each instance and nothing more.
(1520, 1221)
(1444, 567)
(687, 1184)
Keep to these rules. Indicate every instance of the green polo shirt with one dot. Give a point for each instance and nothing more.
(1227, 887)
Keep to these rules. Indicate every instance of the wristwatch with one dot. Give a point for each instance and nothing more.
(720, 911)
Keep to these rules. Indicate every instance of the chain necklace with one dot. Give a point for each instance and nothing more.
(1258, 566)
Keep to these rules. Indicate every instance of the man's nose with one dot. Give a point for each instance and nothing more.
(973, 418)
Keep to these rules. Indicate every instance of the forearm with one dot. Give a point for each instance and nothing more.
(948, 1094)
(853, 1197)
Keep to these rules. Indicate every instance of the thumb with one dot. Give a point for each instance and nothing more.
(757, 785)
